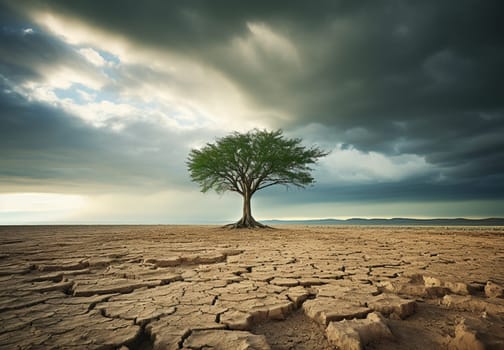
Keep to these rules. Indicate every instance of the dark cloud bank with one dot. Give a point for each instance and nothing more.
(395, 77)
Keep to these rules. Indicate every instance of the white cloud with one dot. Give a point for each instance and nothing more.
(38, 92)
(64, 77)
(92, 56)
(349, 165)
(86, 96)
(100, 113)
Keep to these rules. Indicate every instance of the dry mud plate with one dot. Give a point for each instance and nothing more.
(176, 287)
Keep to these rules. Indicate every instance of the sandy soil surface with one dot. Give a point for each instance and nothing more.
(195, 287)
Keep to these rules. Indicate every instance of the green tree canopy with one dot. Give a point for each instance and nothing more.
(248, 162)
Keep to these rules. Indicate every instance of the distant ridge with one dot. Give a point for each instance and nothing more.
(394, 221)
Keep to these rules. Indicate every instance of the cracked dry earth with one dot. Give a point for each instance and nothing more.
(195, 287)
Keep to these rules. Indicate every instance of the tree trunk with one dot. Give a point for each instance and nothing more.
(247, 220)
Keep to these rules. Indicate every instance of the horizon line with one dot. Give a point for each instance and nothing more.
(220, 222)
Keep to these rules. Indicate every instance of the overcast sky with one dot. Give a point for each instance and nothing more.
(101, 101)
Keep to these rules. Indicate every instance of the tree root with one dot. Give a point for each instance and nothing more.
(250, 224)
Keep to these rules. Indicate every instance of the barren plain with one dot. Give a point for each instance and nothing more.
(294, 287)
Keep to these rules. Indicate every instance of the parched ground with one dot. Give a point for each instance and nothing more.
(196, 287)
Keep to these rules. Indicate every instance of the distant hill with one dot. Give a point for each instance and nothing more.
(394, 221)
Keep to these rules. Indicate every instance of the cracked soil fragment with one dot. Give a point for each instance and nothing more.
(297, 288)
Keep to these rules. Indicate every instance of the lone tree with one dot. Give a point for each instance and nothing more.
(248, 162)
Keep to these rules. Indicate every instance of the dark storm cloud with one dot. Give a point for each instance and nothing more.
(189, 25)
(44, 146)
